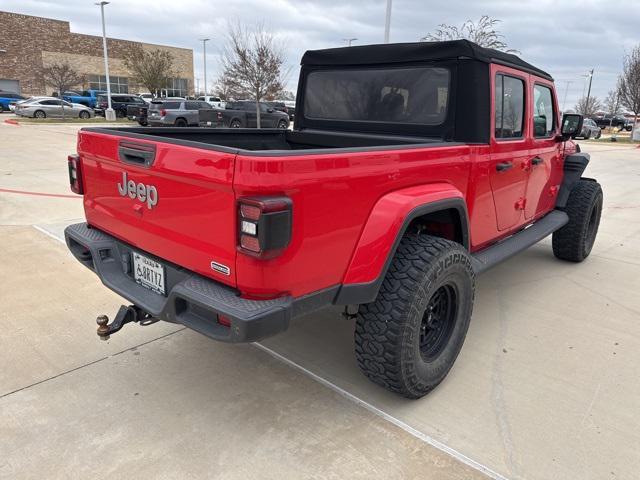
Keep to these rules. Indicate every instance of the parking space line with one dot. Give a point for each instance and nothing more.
(381, 413)
(371, 408)
(39, 194)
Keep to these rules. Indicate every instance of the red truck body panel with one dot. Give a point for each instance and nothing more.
(193, 221)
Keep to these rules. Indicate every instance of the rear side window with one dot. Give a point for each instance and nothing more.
(410, 95)
(509, 107)
(192, 105)
(543, 112)
(170, 105)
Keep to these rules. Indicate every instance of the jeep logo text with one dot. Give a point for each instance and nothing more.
(144, 193)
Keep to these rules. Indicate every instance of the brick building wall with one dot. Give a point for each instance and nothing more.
(32, 43)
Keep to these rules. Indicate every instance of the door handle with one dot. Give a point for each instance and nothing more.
(536, 161)
(501, 167)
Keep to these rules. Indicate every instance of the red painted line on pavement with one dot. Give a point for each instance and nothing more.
(12, 121)
(39, 194)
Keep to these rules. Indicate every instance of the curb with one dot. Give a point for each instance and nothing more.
(12, 121)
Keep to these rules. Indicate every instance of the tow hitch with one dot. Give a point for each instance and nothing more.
(124, 315)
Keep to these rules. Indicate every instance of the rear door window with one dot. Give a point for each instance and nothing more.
(543, 112)
(509, 107)
(408, 95)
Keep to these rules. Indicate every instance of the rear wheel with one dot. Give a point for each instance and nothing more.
(282, 124)
(587, 136)
(408, 339)
(235, 124)
(574, 241)
(599, 134)
(83, 114)
(142, 123)
(39, 114)
(180, 122)
(119, 114)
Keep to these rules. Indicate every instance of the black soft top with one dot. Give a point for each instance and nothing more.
(416, 52)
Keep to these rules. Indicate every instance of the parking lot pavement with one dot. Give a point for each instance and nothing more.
(546, 385)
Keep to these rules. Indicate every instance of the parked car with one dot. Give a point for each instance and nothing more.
(215, 102)
(617, 121)
(590, 129)
(9, 98)
(291, 107)
(394, 193)
(119, 103)
(138, 113)
(177, 113)
(87, 98)
(147, 97)
(243, 115)
(52, 107)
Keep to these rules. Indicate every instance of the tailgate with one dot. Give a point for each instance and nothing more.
(173, 201)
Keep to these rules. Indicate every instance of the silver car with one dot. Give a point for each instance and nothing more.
(52, 107)
(178, 113)
(590, 129)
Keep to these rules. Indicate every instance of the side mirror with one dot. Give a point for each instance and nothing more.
(571, 125)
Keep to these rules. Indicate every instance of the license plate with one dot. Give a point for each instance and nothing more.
(149, 273)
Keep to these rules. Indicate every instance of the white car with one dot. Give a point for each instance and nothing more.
(215, 102)
(147, 97)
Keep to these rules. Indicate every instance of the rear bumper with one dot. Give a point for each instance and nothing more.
(191, 299)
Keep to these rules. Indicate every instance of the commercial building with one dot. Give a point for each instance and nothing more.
(28, 44)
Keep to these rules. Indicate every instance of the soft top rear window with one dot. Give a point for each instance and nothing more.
(411, 95)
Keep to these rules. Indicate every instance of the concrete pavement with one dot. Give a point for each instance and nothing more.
(546, 385)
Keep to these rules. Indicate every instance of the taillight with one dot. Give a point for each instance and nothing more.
(163, 112)
(219, 115)
(75, 174)
(264, 225)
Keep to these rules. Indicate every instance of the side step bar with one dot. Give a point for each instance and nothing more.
(518, 242)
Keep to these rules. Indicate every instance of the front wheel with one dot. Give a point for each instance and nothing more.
(574, 241)
(599, 134)
(235, 124)
(39, 114)
(84, 115)
(408, 339)
(282, 124)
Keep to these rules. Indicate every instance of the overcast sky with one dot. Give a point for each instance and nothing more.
(567, 38)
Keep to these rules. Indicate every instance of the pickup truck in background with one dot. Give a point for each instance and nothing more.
(614, 121)
(87, 98)
(411, 169)
(243, 115)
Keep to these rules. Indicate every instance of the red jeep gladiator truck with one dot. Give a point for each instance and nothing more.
(410, 169)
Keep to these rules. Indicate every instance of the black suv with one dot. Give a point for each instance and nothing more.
(119, 102)
(243, 115)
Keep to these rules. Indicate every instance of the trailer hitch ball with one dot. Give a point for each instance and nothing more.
(103, 329)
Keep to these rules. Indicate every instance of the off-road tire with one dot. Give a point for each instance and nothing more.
(390, 331)
(181, 122)
(574, 241)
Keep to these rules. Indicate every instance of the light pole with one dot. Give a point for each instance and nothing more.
(589, 91)
(349, 41)
(109, 114)
(204, 61)
(387, 22)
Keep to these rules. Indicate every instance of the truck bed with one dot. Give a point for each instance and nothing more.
(266, 140)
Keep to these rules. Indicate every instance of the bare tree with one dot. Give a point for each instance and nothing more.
(588, 107)
(612, 103)
(62, 77)
(252, 62)
(629, 82)
(483, 33)
(151, 68)
(227, 89)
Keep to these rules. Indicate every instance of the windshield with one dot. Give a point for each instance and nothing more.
(414, 95)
